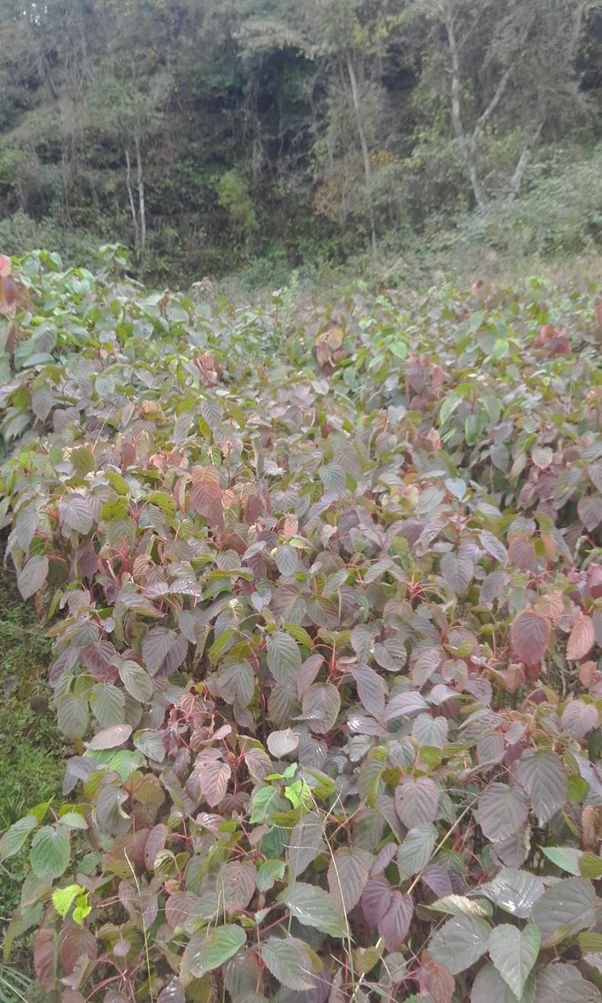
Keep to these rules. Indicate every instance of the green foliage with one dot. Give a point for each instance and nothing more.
(13, 984)
(30, 747)
(234, 196)
(325, 588)
(210, 134)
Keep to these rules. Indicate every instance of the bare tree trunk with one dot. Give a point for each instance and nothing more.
(539, 122)
(526, 153)
(467, 148)
(364, 148)
(141, 201)
(128, 183)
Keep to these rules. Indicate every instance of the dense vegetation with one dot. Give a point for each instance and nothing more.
(324, 586)
(208, 133)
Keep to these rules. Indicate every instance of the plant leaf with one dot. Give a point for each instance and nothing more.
(347, 876)
(50, 852)
(460, 942)
(314, 907)
(564, 909)
(544, 778)
(514, 953)
(503, 810)
(32, 576)
(530, 636)
(290, 961)
(209, 949)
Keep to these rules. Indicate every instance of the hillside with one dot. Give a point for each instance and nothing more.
(262, 135)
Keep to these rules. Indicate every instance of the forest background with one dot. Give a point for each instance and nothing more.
(260, 136)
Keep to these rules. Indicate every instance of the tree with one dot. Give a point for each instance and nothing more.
(523, 57)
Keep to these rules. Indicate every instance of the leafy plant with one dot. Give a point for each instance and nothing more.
(325, 633)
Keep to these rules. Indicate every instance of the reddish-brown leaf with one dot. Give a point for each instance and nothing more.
(581, 638)
(436, 979)
(44, 958)
(395, 923)
(530, 636)
(521, 552)
(75, 942)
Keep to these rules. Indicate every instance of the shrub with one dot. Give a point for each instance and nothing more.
(325, 640)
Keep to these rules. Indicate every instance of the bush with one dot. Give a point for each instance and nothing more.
(325, 596)
(558, 214)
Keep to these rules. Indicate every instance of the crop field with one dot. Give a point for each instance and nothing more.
(322, 575)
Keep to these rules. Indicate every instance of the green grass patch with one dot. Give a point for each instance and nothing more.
(31, 750)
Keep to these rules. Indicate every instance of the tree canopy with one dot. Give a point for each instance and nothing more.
(201, 132)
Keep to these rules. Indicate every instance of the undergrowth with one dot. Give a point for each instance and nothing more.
(323, 582)
(31, 749)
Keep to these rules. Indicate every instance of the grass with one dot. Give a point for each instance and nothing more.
(31, 750)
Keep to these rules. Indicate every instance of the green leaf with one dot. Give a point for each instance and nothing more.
(107, 703)
(110, 738)
(32, 576)
(73, 820)
(209, 949)
(503, 810)
(415, 852)
(564, 909)
(50, 852)
(347, 876)
(544, 778)
(15, 837)
(460, 942)
(268, 873)
(137, 681)
(63, 898)
(489, 987)
(314, 907)
(514, 890)
(458, 571)
(290, 961)
(514, 953)
(284, 658)
(72, 713)
(565, 857)
(560, 983)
